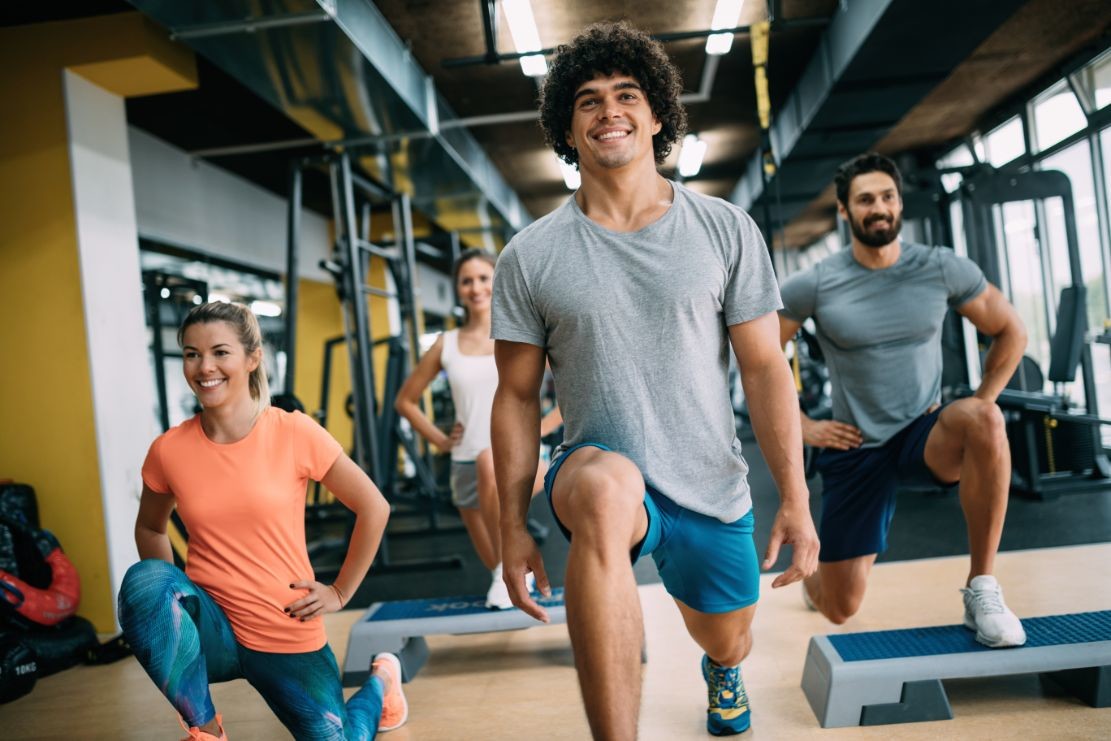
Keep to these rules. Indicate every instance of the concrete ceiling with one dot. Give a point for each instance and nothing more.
(938, 96)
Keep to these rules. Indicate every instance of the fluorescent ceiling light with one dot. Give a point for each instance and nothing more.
(266, 308)
(534, 65)
(690, 156)
(727, 13)
(219, 297)
(522, 27)
(571, 176)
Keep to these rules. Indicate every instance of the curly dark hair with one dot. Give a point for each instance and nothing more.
(863, 164)
(607, 49)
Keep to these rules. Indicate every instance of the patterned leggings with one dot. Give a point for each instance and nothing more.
(184, 641)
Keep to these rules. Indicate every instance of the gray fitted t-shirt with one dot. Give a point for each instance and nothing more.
(880, 330)
(634, 325)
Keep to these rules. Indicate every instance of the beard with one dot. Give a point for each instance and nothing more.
(876, 238)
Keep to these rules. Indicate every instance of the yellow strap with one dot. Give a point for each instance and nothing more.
(760, 34)
(1050, 457)
(178, 542)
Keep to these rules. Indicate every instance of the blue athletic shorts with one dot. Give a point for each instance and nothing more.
(708, 565)
(858, 489)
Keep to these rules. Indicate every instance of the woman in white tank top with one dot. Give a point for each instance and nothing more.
(467, 355)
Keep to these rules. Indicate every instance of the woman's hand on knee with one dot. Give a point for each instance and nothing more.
(319, 601)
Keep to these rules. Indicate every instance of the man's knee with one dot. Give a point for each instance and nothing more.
(987, 426)
(838, 610)
(605, 497)
(981, 423)
(842, 588)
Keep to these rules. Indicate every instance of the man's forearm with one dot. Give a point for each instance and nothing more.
(1000, 362)
(515, 438)
(776, 420)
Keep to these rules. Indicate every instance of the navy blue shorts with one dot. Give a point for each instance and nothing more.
(708, 565)
(858, 489)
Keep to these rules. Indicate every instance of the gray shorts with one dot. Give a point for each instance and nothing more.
(464, 484)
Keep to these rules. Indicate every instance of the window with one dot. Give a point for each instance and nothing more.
(1095, 82)
(959, 156)
(1021, 268)
(1005, 142)
(1076, 163)
(1057, 114)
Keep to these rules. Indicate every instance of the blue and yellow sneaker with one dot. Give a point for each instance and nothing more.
(728, 713)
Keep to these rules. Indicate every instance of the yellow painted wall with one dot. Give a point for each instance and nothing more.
(319, 318)
(49, 438)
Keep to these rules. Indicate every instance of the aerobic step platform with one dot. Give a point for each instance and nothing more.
(894, 676)
(400, 627)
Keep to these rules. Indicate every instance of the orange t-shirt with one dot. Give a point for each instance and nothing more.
(243, 504)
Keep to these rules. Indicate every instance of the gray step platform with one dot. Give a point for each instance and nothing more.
(895, 676)
(400, 627)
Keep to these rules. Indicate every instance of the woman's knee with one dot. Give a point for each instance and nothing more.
(149, 579)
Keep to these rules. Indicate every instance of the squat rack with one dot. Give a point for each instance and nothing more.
(378, 434)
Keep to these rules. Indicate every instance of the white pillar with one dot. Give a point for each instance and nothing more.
(119, 359)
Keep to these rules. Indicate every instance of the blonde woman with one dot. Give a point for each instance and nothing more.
(248, 605)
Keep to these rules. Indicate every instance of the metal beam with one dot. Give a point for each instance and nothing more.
(850, 27)
(498, 58)
(869, 47)
(248, 25)
(370, 32)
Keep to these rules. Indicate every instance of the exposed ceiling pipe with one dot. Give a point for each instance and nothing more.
(705, 86)
(674, 36)
(249, 25)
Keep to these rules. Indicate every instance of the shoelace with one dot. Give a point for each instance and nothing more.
(725, 683)
(989, 601)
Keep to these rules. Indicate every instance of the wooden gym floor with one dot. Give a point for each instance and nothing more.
(521, 685)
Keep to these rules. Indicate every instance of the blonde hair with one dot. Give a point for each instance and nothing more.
(250, 336)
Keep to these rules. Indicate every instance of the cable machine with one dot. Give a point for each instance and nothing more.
(378, 434)
(1055, 447)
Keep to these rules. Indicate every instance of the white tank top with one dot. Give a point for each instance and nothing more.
(473, 380)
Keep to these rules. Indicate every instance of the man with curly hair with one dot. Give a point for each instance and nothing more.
(634, 289)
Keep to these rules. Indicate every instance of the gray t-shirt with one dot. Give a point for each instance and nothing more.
(634, 325)
(880, 330)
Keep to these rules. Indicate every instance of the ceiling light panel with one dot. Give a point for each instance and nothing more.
(522, 27)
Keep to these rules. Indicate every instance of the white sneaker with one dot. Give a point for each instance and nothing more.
(986, 613)
(497, 597)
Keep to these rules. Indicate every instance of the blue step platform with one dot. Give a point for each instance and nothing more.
(894, 676)
(400, 627)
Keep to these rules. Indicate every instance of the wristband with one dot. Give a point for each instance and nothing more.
(342, 599)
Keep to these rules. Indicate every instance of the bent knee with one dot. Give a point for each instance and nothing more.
(148, 569)
(149, 577)
(838, 611)
(606, 496)
(985, 423)
(600, 489)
